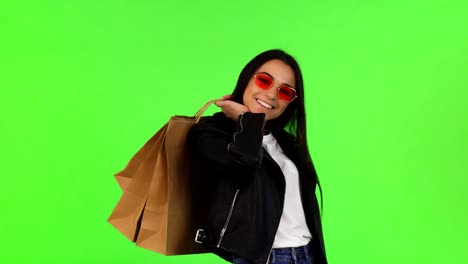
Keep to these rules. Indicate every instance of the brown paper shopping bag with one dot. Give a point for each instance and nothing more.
(166, 197)
(135, 181)
(144, 156)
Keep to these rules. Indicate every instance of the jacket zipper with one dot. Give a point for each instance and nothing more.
(228, 219)
(241, 116)
(271, 245)
(277, 225)
(269, 254)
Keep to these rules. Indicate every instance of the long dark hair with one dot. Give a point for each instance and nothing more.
(293, 119)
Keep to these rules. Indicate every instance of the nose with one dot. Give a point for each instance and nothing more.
(272, 93)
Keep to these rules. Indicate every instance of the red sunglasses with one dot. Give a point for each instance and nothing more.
(285, 92)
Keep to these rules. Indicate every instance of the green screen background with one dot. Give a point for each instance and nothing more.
(84, 84)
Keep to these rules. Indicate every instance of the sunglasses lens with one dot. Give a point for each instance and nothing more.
(286, 93)
(263, 81)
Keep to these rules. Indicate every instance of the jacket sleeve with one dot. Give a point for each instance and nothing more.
(212, 143)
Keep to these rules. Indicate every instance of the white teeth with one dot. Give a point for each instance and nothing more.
(264, 104)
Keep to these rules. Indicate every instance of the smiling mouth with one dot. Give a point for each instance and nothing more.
(262, 103)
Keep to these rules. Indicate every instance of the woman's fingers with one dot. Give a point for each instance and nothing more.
(226, 97)
(220, 103)
(230, 108)
(223, 99)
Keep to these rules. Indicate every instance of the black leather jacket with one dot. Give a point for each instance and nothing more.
(248, 188)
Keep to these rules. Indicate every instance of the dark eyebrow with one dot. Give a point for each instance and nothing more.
(268, 74)
(287, 84)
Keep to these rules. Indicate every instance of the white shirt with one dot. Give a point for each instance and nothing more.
(292, 230)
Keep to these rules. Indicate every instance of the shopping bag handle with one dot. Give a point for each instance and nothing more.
(202, 110)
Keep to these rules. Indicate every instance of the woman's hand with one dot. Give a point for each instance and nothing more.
(230, 108)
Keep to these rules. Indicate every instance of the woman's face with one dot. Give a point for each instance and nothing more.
(259, 100)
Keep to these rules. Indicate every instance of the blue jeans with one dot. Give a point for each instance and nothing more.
(297, 255)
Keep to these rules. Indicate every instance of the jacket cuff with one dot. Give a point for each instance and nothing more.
(247, 139)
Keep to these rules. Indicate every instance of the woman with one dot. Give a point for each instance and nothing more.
(262, 204)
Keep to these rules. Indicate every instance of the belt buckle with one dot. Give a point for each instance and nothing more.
(200, 235)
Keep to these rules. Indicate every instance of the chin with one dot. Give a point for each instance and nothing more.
(257, 111)
(261, 112)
